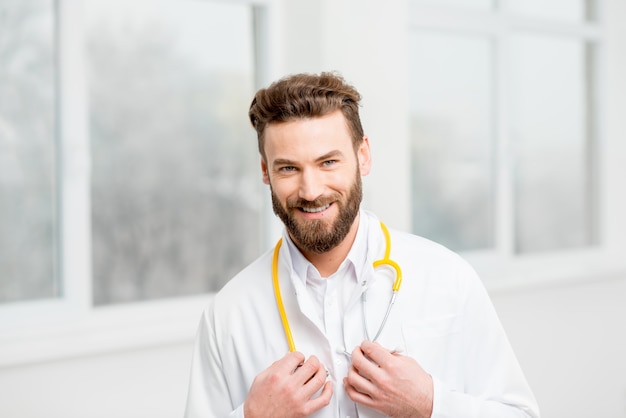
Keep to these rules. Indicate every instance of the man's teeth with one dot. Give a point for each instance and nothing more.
(315, 210)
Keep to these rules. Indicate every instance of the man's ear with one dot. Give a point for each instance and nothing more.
(266, 177)
(365, 157)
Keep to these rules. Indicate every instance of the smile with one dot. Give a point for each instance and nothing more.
(315, 210)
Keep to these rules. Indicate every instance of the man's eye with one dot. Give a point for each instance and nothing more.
(288, 168)
(329, 162)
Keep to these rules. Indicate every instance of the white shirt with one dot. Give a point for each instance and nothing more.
(442, 317)
(331, 297)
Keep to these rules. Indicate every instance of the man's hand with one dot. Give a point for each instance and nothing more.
(285, 389)
(392, 384)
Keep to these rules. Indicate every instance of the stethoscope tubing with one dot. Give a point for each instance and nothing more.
(385, 261)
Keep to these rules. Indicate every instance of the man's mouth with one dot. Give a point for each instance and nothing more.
(315, 210)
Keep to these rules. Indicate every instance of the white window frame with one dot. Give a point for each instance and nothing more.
(70, 326)
(501, 269)
(47, 330)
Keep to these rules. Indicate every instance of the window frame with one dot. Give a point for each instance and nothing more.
(56, 329)
(501, 268)
(70, 325)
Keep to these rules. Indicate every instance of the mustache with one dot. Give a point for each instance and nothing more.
(309, 204)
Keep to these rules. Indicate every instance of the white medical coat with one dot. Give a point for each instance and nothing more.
(442, 317)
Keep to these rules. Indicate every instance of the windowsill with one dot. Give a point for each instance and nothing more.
(549, 271)
(156, 323)
(536, 283)
(103, 330)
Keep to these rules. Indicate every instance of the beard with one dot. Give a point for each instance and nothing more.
(318, 235)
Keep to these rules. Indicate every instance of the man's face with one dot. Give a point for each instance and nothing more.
(315, 178)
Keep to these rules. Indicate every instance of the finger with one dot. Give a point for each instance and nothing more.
(360, 382)
(357, 390)
(376, 353)
(308, 370)
(363, 365)
(315, 383)
(323, 400)
(288, 364)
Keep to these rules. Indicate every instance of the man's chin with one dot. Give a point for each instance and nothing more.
(318, 228)
(315, 226)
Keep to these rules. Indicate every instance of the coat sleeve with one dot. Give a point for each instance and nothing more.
(208, 395)
(494, 384)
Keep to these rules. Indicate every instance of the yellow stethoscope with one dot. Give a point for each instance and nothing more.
(385, 261)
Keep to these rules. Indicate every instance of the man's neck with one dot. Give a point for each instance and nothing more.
(328, 263)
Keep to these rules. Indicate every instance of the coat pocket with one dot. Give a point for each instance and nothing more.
(435, 343)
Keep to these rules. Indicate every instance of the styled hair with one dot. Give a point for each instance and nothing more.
(302, 96)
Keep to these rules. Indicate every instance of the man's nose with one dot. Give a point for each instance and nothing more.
(311, 185)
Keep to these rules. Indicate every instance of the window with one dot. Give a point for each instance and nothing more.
(452, 126)
(128, 168)
(551, 139)
(504, 152)
(28, 170)
(175, 197)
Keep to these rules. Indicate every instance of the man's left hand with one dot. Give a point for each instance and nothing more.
(390, 383)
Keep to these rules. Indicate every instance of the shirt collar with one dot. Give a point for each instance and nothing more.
(357, 257)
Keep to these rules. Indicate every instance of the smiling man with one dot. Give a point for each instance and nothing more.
(314, 172)
(319, 326)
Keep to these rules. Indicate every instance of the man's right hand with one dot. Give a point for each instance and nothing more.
(285, 389)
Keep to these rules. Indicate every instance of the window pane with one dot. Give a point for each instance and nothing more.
(451, 104)
(176, 192)
(28, 242)
(566, 10)
(549, 132)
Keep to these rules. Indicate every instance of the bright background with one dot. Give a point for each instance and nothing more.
(515, 117)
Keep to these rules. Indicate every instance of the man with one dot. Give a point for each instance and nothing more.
(319, 343)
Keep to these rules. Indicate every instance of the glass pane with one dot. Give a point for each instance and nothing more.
(176, 189)
(566, 10)
(549, 132)
(451, 104)
(27, 151)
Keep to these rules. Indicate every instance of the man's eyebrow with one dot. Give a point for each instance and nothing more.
(330, 155)
(282, 162)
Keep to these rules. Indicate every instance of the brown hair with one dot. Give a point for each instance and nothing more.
(301, 96)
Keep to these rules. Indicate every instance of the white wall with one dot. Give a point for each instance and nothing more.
(570, 338)
(134, 384)
(571, 342)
